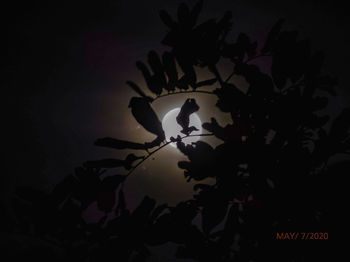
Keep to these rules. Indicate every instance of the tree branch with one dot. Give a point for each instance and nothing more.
(159, 148)
(184, 92)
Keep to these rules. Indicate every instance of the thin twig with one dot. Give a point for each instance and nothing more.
(184, 92)
(159, 148)
(247, 61)
(229, 77)
(216, 73)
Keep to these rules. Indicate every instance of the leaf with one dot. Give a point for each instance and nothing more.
(183, 13)
(166, 18)
(314, 121)
(121, 206)
(130, 159)
(318, 103)
(158, 79)
(64, 189)
(106, 201)
(232, 222)
(155, 62)
(315, 64)
(213, 213)
(224, 24)
(189, 76)
(232, 225)
(195, 13)
(327, 83)
(157, 211)
(201, 187)
(170, 69)
(112, 182)
(182, 83)
(143, 211)
(147, 117)
(273, 34)
(183, 118)
(340, 129)
(143, 68)
(152, 83)
(138, 90)
(208, 82)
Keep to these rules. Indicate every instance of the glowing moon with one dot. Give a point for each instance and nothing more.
(172, 128)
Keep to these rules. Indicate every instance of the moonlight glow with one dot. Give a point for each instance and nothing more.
(172, 128)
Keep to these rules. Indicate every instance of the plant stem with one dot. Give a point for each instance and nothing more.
(184, 92)
(216, 73)
(159, 148)
(229, 77)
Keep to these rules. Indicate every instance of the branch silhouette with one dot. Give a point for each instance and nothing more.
(159, 148)
(184, 92)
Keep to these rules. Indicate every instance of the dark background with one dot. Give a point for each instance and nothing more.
(66, 63)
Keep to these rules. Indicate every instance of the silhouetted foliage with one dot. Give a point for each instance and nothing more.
(183, 118)
(145, 115)
(271, 169)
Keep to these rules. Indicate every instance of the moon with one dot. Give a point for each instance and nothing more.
(172, 128)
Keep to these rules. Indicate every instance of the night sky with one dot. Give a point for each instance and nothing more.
(66, 67)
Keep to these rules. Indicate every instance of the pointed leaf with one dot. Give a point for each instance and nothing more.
(143, 211)
(195, 13)
(208, 82)
(170, 69)
(112, 182)
(183, 13)
(273, 34)
(138, 90)
(121, 206)
(158, 211)
(183, 118)
(166, 18)
(213, 213)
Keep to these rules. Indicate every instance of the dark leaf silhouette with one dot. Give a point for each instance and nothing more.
(213, 213)
(339, 134)
(230, 98)
(260, 84)
(195, 13)
(327, 83)
(240, 48)
(145, 116)
(183, 13)
(143, 211)
(233, 133)
(208, 82)
(166, 18)
(183, 118)
(170, 69)
(273, 34)
(112, 182)
(138, 90)
(121, 206)
(200, 164)
(158, 78)
(153, 81)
